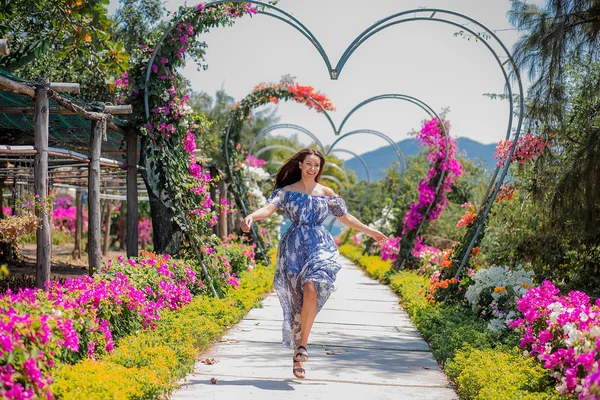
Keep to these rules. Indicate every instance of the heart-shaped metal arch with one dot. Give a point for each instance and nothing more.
(423, 14)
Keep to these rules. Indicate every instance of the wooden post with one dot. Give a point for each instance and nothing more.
(94, 222)
(123, 225)
(1, 198)
(4, 48)
(223, 215)
(107, 227)
(230, 220)
(213, 194)
(78, 224)
(41, 122)
(19, 199)
(132, 195)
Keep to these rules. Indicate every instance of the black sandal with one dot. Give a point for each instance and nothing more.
(303, 354)
(299, 370)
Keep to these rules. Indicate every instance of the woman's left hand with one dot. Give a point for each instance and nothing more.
(379, 237)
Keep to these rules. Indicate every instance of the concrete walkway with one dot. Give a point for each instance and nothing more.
(362, 346)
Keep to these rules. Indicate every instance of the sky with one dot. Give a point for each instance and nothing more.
(420, 58)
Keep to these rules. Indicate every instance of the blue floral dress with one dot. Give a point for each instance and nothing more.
(306, 252)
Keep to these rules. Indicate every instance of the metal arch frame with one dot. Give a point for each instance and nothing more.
(330, 177)
(292, 150)
(432, 113)
(275, 127)
(378, 134)
(399, 154)
(394, 96)
(364, 163)
(365, 35)
(299, 128)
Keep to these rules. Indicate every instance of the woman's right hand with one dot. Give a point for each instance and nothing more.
(247, 223)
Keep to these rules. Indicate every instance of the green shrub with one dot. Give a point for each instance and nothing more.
(501, 373)
(100, 380)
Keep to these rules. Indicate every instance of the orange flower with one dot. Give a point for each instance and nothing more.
(273, 99)
(87, 37)
(526, 286)
(475, 251)
(500, 289)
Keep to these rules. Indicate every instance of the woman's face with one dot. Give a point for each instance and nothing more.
(310, 167)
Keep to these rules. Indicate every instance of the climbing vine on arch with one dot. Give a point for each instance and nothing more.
(433, 190)
(178, 186)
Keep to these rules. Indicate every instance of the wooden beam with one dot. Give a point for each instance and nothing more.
(94, 222)
(78, 224)
(113, 110)
(41, 124)
(132, 194)
(89, 115)
(72, 88)
(17, 87)
(4, 48)
(29, 90)
(119, 110)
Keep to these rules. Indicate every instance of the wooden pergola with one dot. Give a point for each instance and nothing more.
(33, 114)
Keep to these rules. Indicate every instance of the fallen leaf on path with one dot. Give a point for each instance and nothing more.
(209, 361)
(213, 380)
(332, 352)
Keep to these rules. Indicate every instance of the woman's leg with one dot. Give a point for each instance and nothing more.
(309, 312)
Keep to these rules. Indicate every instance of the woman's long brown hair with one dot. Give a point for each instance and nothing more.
(290, 171)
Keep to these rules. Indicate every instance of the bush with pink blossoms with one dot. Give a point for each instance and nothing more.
(34, 337)
(144, 230)
(83, 317)
(563, 332)
(390, 249)
(64, 215)
(253, 161)
(528, 147)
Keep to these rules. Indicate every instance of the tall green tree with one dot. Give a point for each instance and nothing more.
(136, 21)
(63, 40)
(217, 109)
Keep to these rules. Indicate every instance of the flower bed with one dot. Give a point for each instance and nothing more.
(563, 332)
(83, 317)
(483, 364)
(149, 364)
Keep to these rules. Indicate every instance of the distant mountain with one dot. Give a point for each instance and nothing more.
(381, 159)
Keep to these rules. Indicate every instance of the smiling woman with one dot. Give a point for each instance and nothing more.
(307, 257)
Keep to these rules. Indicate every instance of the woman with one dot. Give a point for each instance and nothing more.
(307, 257)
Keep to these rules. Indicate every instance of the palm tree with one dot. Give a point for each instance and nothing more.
(555, 35)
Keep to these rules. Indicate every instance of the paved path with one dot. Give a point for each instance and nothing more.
(362, 346)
